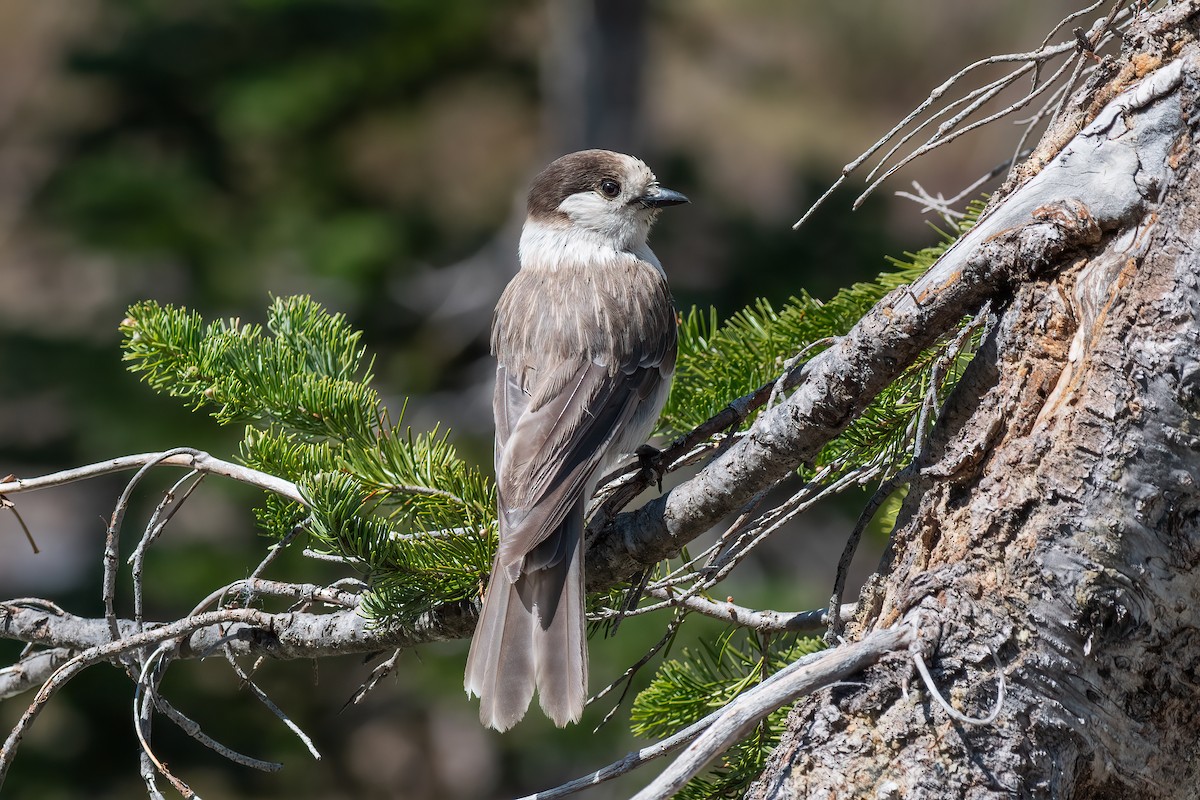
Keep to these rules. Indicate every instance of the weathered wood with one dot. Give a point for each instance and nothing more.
(1057, 519)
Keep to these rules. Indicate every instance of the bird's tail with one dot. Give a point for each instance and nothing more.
(531, 634)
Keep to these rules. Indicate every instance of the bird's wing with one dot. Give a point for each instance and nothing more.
(554, 427)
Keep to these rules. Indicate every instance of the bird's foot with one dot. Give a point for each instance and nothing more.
(650, 459)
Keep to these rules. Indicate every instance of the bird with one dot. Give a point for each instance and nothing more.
(585, 337)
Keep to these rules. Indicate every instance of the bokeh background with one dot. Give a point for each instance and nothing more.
(375, 154)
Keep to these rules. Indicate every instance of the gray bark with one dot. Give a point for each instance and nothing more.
(1056, 520)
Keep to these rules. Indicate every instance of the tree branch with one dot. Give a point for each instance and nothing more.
(1116, 161)
(283, 635)
(193, 459)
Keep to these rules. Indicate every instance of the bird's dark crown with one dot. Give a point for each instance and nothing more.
(571, 174)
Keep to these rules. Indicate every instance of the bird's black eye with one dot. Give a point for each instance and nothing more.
(610, 188)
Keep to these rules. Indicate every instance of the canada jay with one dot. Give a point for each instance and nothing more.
(585, 339)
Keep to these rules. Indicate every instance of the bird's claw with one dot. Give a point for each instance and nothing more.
(650, 459)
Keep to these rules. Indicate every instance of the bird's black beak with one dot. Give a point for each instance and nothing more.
(658, 197)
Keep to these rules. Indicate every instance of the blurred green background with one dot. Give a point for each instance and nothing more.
(375, 154)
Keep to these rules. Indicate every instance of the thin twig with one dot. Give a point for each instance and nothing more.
(801, 622)
(112, 538)
(192, 729)
(8, 505)
(952, 712)
(143, 719)
(163, 513)
(1030, 62)
(186, 457)
(305, 592)
(627, 676)
(270, 704)
(914, 649)
(378, 674)
(885, 490)
(276, 549)
(110, 650)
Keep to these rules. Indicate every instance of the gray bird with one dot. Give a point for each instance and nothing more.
(585, 339)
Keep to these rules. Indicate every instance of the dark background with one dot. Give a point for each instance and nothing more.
(375, 155)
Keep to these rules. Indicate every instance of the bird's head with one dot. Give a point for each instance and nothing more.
(609, 194)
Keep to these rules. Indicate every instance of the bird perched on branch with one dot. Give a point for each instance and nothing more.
(585, 339)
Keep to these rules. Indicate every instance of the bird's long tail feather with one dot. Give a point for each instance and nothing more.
(531, 633)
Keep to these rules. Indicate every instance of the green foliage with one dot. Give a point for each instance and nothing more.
(720, 362)
(404, 505)
(687, 689)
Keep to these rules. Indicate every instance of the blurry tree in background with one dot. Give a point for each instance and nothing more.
(373, 154)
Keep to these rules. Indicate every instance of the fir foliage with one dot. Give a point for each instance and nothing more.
(418, 518)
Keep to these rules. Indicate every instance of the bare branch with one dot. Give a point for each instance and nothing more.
(32, 670)
(1030, 62)
(802, 622)
(270, 704)
(185, 457)
(285, 635)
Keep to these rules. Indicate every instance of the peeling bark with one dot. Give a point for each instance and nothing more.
(1056, 520)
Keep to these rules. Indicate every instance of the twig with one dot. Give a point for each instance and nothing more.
(332, 558)
(627, 676)
(8, 505)
(926, 418)
(142, 720)
(379, 673)
(275, 550)
(801, 622)
(953, 713)
(947, 134)
(835, 610)
(186, 457)
(192, 728)
(154, 528)
(789, 367)
(1031, 62)
(306, 592)
(270, 704)
(112, 538)
(1042, 53)
(628, 764)
(107, 651)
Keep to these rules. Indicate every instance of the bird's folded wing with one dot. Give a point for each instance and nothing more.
(552, 434)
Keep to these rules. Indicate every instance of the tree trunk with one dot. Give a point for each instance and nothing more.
(1054, 529)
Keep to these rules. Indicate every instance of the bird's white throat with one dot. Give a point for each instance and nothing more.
(559, 245)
